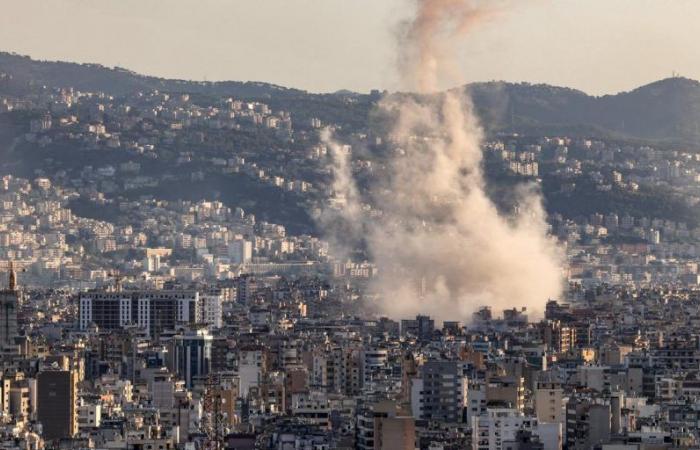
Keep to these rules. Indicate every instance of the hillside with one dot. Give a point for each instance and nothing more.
(118, 81)
(666, 110)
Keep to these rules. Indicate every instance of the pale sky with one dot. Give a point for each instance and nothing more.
(599, 46)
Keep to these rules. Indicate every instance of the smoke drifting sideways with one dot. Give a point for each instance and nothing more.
(440, 244)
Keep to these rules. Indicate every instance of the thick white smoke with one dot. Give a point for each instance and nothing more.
(345, 223)
(441, 245)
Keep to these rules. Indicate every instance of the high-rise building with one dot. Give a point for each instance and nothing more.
(57, 403)
(498, 426)
(421, 327)
(240, 251)
(211, 309)
(252, 365)
(246, 288)
(89, 416)
(588, 422)
(440, 393)
(151, 263)
(154, 311)
(16, 394)
(372, 361)
(550, 402)
(191, 355)
(385, 426)
(509, 391)
(8, 311)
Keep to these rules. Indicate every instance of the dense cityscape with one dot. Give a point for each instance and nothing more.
(221, 265)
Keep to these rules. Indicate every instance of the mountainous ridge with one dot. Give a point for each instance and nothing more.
(120, 81)
(666, 110)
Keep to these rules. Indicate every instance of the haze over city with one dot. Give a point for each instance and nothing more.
(325, 224)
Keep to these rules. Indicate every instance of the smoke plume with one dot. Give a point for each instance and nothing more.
(344, 224)
(428, 45)
(441, 246)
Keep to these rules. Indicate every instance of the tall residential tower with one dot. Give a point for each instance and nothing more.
(8, 310)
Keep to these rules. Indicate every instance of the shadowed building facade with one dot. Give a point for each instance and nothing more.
(8, 311)
(57, 403)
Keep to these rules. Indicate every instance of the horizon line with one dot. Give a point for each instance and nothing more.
(117, 67)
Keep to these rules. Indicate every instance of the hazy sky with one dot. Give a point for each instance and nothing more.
(599, 46)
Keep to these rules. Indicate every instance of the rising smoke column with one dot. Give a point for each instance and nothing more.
(344, 224)
(441, 245)
(427, 47)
